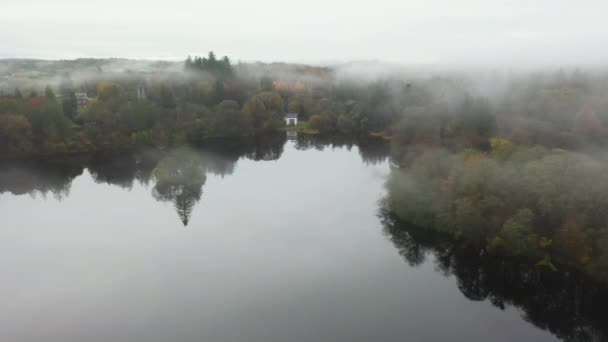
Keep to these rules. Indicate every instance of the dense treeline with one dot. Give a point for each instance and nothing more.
(209, 100)
(544, 204)
(210, 97)
(479, 160)
(221, 69)
(517, 175)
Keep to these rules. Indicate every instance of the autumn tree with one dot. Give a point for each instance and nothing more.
(15, 134)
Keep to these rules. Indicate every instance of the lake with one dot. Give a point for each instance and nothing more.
(279, 240)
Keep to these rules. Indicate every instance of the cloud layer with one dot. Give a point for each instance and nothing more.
(433, 32)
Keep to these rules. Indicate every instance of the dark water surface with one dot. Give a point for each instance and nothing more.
(282, 243)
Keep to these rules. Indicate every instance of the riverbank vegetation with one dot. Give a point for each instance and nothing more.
(506, 161)
(169, 104)
(544, 204)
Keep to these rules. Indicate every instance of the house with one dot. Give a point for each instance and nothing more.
(291, 119)
(82, 99)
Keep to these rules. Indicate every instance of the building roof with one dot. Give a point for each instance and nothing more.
(291, 115)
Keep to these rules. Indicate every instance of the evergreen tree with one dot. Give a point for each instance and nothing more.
(69, 103)
(189, 64)
(221, 69)
(167, 100)
(49, 94)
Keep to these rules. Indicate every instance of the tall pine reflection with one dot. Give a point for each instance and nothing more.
(179, 179)
(177, 175)
(567, 303)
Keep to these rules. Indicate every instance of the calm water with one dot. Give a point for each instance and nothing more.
(285, 241)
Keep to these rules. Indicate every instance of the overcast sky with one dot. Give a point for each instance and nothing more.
(422, 31)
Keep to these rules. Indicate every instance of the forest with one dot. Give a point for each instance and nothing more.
(510, 162)
(164, 104)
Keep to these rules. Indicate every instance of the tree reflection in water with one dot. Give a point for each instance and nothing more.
(179, 179)
(39, 176)
(567, 303)
(178, 175)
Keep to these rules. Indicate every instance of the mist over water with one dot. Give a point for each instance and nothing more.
(280, 170)
(282, 241)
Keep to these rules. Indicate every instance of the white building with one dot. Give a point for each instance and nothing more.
(291, 119)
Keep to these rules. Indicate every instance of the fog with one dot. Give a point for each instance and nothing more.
(486, 122)
(433, 33)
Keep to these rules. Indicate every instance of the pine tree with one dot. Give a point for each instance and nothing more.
(49, 94)
(69, 103)
(184, 204)
(188, 65)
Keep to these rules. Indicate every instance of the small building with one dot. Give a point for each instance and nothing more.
(82, 99)
(291, 119)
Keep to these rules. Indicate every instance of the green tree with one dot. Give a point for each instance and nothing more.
(319, 122)
(301, 103)
(48, 124)
(346, 124)
(109, 91)
(15, 134)
(49, 94)
(166, 97)
(517, 236)
(69, 104)
(228, 120)
(266, 84)
(218, 92)
(265, 109)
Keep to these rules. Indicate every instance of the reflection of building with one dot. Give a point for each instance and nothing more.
(291, 119)
(292, 135)
(82, 99)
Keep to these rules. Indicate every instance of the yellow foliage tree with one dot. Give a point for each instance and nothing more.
(501, 148)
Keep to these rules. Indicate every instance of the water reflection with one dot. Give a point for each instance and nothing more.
(178, 176)
(116, 168)
(373, 151)
(40, 176)
(300, 266)
(567, 303)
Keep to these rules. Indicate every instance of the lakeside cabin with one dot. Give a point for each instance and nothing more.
(291, 119)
